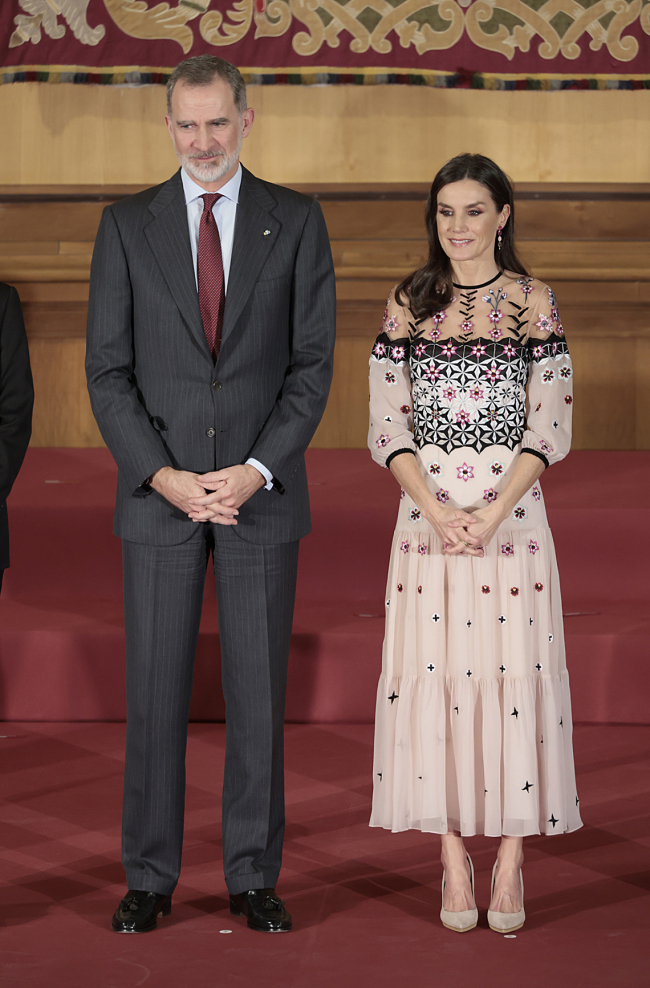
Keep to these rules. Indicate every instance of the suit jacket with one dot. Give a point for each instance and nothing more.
(16, 403)
(159, 399)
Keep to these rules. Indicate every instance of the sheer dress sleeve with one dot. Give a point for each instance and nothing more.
(550, 382)
(391, 401)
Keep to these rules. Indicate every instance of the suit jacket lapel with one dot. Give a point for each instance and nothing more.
(169, 239)
(256, 231)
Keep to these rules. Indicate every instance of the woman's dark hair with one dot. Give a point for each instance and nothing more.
(430, 288)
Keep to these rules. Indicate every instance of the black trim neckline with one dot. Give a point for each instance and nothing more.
(471, 288)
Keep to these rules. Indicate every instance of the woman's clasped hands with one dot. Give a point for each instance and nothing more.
(465, 533)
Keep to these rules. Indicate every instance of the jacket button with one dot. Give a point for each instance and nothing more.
(216, 385)
(210, 433)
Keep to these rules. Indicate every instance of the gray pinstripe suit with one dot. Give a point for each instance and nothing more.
(160, 401)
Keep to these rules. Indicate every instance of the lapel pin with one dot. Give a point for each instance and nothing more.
(266, 233)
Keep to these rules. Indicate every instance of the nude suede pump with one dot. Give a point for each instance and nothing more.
(506, 922)
(463, 921)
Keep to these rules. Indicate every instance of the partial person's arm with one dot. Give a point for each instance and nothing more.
(16, 392)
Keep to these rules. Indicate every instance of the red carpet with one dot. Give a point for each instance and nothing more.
(365, 902)
(61, 646)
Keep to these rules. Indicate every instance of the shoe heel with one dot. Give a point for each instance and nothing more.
(165, 911)
(234, 911)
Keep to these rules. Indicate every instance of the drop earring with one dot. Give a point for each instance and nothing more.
(499, 238)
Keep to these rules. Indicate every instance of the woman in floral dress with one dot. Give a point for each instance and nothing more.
(471, 395)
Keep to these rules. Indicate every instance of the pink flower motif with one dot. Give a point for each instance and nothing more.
(537, 494)
(539, 587)
(439, 317)
(448, 393)
(520, 513)
(559, 329)
(544, 324)
(545, 447)
(566, 373)
(414, 514)
(495, 316)
(485, 588)
(463, 418)
(509, 351)
(435, 334)
(533, 547)
(514, 591)
(526, 285)
(435, 469)
(493, 374)
(402, 494)
(496, 468)
(420, 349)
(538, 352)
(548, 376)
(422, 549)
(389, 378)
(490, 495)
(537, 407)
(447, 349)
(433, 373)
(478, 350)
(508, 549)
(392, 324)
(398, 353)
(495, 333)
(443, 496)
(383, 441)
(379, 350)
(405, 546)
(466, 326)
(465, 472)
(568, 400)
(475, 393)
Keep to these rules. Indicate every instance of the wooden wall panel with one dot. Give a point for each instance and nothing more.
(66, 134)
(62, 413)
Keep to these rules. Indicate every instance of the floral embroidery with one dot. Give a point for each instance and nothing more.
(520, 513)
(526, 285)
(414, 514)
(448, 349)
(419, 589)
(402, 494)
(495, 333)
(509, 351)
(559, 329)
(479, 350)
(383, 441)
(405, 546)
(565, 372)
(399, 587)
(508, 549)
(379, 350)
(545, 447)
(420, 349)
(495, 316)
(548, 376)
(443, 496)
(493, 373)
(392, 324)
(435, 334)
(538, 352)
(422, 549)
(449, 393)
(490, 495)
(537, 494)
(544, 324)
(496, 468)
(398, 353)
(538, 406)
(485, 588)
(465, 472)
(533, 547)
(466, 326)
(568, 400)
(475, 394)
(405, 409)
(390, 378)
(514, 591)
(435, 469)
(539, 587)
(463, 418)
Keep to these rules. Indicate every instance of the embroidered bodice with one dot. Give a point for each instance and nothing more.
(462, 377)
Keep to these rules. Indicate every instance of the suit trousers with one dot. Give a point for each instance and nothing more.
(163, 594)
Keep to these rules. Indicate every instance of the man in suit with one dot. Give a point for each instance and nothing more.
(16, 403)
(210, 340)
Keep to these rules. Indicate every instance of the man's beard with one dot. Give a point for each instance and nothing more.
(208, 170)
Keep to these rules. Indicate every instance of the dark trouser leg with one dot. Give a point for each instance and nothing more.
(163, 593)
(255, 593)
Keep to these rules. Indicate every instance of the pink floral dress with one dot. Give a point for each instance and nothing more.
(473, 726)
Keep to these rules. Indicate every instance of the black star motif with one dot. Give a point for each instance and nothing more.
(435, 618)
(502, 668)
(468, 673)
(577, 800)
(539, 666)
(380, 774)
(502, 619)
(528, 786)
(456, 709)
(420, 777)
(553, 820)
(393, 697)
(431, 667)
(469, 624)
(561, 722)
(484, 791)
(550, 638)
(541, 740)
(531, 620)
(515, 714)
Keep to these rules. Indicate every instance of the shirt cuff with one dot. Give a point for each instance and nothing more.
(268, 476)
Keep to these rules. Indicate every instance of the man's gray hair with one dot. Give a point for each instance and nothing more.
(201, 70)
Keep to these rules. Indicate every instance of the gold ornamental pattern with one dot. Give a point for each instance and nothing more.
(554, 28)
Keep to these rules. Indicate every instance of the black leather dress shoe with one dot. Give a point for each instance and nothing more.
(139, 911)
(263, 910)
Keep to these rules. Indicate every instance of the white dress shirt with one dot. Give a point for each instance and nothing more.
(225, 214)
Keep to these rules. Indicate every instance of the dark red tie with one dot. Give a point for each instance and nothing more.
(210, 266)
